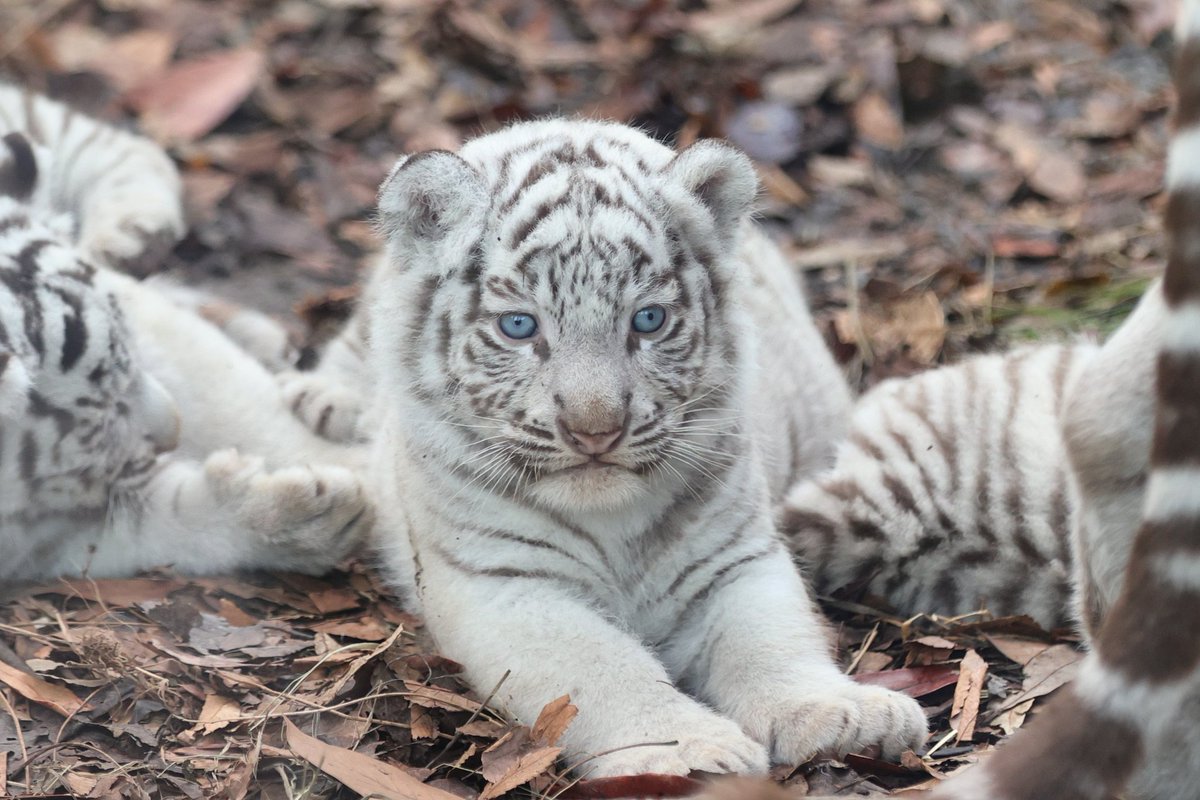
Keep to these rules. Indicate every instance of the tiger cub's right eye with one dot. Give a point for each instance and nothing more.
(517, 326)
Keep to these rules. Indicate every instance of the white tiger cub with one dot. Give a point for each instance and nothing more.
(121, 192)
(590, 376)
(952, 490)
(118, 409)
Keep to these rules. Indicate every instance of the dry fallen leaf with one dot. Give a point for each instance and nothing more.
(1018, 650)
(877, 121)
(1050, 169)
(436, 697)
(553, 720)
(1013, 718)
(513, 761)
(913, 681)
(111, 592)
(965, 710)
(914, 324)
(217, 712)
(33, 688)
(360, 772)
(192, 97)
(1045, 672)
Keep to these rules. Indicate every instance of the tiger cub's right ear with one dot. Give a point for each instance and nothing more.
(15, 384)
(18, 167)
(432, 202)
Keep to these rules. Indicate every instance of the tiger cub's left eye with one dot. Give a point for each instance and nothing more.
(517, 326)
(649, 319)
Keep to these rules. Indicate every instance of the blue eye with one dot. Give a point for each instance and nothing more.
(649, 319)
(517, 326)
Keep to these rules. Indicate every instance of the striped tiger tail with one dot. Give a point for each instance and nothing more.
(1104, 736)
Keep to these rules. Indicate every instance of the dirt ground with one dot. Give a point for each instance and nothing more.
(950, 177)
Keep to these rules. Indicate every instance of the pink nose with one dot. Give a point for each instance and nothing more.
(591, 444)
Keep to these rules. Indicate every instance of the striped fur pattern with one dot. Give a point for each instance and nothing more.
(121, 190)
(952, 492)
(588, 510)
(1130, 725)
(123, 417)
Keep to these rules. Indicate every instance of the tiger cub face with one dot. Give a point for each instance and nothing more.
(77, 415)
(559, 292)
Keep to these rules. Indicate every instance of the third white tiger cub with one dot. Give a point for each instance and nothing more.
(591, 375)
(101, 376)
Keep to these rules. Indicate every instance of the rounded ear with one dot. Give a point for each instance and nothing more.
(429, 197)
(722, 178)
(15, 383)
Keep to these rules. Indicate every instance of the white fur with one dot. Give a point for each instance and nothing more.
(1173, 492)
(1187, 23)
(1183, 160)
(1181, 334)
(592, 583)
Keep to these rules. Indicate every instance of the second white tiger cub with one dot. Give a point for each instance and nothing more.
(591, 377)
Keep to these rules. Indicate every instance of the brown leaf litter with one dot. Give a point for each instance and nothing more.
(947, 182)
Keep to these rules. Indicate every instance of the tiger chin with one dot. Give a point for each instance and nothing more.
(558, 295)
(591, 485)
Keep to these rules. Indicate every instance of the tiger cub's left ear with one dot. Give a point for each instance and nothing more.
(722, 178)
(431, 205)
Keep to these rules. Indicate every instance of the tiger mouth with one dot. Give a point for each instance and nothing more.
(591, 465)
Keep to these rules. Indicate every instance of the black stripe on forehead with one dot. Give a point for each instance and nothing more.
(547, 164)
(583, 189)
(527, 226)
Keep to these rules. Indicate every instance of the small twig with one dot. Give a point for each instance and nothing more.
(470, 719)
(862, 651)
(601, 754)
(929, 754)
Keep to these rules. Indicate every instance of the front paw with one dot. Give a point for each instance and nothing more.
(328, 410)
(307, 517)
(844, 719)
(707, 743)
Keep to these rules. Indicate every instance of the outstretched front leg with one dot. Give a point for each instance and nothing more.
(228, 513)
(755, 647)
(534, 632)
